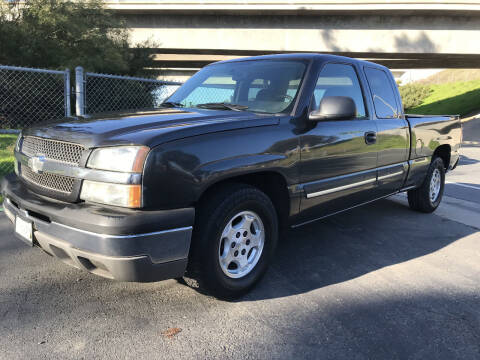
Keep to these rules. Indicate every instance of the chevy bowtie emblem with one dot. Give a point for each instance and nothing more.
(36, 164)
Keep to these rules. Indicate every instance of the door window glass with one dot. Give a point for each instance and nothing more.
(339, 80)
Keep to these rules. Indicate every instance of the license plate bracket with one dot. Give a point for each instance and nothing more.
(24, 230)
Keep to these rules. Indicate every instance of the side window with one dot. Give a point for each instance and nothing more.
(382, 92)
(340, 80)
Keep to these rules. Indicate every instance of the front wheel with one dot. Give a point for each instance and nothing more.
(236, 231)
(427, 197)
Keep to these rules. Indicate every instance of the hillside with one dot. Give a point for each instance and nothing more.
(455, 91)
(452, 76)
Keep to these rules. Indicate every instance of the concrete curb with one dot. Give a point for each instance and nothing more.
(460, 211)
(470, 118)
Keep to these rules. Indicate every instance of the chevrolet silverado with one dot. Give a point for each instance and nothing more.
(205, 184)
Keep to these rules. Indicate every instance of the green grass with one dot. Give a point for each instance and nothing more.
(7, 143)
(452, 98)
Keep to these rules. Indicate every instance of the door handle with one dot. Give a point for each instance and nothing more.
(370, 137)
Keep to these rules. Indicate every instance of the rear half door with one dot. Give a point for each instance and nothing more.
(393, 136)
(338, 165)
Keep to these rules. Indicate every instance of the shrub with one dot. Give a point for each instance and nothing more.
(414, 94)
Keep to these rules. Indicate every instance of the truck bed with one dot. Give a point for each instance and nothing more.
(428, 132)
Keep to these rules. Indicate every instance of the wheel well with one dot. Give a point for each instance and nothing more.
(271, 183)
(443, 151)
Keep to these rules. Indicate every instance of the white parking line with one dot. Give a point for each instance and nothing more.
(464, 185)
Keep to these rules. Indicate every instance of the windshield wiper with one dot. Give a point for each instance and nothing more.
(171, 104)
(223, 106)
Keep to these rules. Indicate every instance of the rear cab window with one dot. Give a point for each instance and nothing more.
(383, 94)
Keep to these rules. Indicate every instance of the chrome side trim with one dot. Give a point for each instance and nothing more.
(390, 175)
(187, 228)
(404, 164)
(63, 169)
(340, 188)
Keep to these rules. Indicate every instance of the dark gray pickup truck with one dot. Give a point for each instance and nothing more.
(204, 185)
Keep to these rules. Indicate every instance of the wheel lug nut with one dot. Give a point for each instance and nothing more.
(243, 252)
(234, 244)
(245, 233)
(248, 241)
(238, 235)
(235, 253)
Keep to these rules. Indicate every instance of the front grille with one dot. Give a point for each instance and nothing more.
(65, 152)
(49, 181)
(52, 149)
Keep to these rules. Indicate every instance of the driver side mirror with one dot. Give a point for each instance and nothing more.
(334, 108)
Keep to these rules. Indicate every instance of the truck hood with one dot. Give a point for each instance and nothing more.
(149, 128)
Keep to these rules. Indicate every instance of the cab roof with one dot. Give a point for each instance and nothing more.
(303, 56)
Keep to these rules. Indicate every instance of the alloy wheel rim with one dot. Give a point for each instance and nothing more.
(435, 185)
(241, 244)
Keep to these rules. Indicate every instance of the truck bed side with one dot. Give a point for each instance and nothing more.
(435, 134)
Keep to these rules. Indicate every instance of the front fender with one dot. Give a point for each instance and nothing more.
(177, 173)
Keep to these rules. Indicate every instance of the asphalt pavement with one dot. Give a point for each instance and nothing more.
(377, 282)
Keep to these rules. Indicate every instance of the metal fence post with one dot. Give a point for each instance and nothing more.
(67, 92)
(79, 91)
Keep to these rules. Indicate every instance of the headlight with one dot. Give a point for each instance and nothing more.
(121, 158)
(112, 194)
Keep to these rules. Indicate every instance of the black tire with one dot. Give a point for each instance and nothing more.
(211, 218)
(419, 199)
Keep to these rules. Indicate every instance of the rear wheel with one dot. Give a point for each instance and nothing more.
(427, 197)
(235, 235)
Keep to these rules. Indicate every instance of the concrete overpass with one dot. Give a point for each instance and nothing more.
(399, 34)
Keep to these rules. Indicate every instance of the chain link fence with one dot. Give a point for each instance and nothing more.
(28, 97)
(32, 96)
(100, 93)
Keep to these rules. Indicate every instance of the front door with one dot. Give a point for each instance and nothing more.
(338, 158)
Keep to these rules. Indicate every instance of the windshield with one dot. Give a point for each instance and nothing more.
(269, 86)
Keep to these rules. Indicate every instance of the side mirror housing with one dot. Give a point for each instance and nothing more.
(334, 108)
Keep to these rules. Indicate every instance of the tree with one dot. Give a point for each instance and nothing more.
(58, 34)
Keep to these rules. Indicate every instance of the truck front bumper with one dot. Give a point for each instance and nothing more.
(120, 244)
